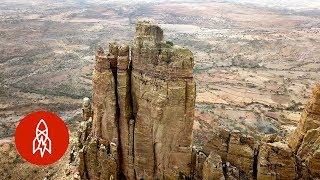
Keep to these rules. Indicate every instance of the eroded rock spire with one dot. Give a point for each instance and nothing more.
(143, 111)
(140, 125)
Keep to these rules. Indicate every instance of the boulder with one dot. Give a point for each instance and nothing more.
(276, 161)
(212, 168)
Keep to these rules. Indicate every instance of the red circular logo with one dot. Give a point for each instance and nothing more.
(42, 138)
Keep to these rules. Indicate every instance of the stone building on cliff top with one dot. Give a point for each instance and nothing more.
(139, 125)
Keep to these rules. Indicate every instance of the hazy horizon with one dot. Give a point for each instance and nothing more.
(296, 5)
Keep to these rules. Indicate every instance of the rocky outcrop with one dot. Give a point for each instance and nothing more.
(126, 119)
(163, 93)
(212, 168)
(245, 158)
(219, 143)
(98, 138)
(276, 161)
(86, 109)
(305, 140)
(234, 148)
(272, 158)
(139, 125)
(241, 153)
(310, 119)
(143, 111)
(309, 154)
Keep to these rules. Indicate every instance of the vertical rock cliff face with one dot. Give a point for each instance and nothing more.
(242, 157)
(139, 125)
(310, 119)
(143, 111)
(305, 140)
(163, 92)
(126, 119)
(276, 161)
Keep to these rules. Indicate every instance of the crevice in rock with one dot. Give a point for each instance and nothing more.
(130, 81)
(255, 163)
(114, 70)
(132, 126)
(299, 167)
(133, 115)
(225, 170)
(224, 163)
(85, 173)
(186, 96)
(154, 158)
(298, 146)
(228, 141)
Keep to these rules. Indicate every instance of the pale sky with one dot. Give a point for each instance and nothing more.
(288, 4)
(283, 4)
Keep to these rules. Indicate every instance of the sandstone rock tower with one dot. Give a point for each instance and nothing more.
(143, 111)
(139, 125)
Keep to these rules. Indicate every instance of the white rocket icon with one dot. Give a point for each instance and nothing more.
(41, 142)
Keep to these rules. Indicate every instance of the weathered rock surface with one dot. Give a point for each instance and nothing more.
(139, 125)
(246, 158)
(219, 143)
(163, 93)
(212, 168)
(241, 153)
(86, 109)
(143, 111)
(310, 119)
(125, 111)
(309, 153)
(305, 140)
(237, 149)
(276, 161)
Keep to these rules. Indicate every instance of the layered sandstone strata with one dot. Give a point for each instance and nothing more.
(276, 161)
(234, 148)
(139, 125)
(143, 111)
(163, 93)
(242, 157)
(310, 119)
(212, 168)
(309, 154)
(99, 144)
(305, 140)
